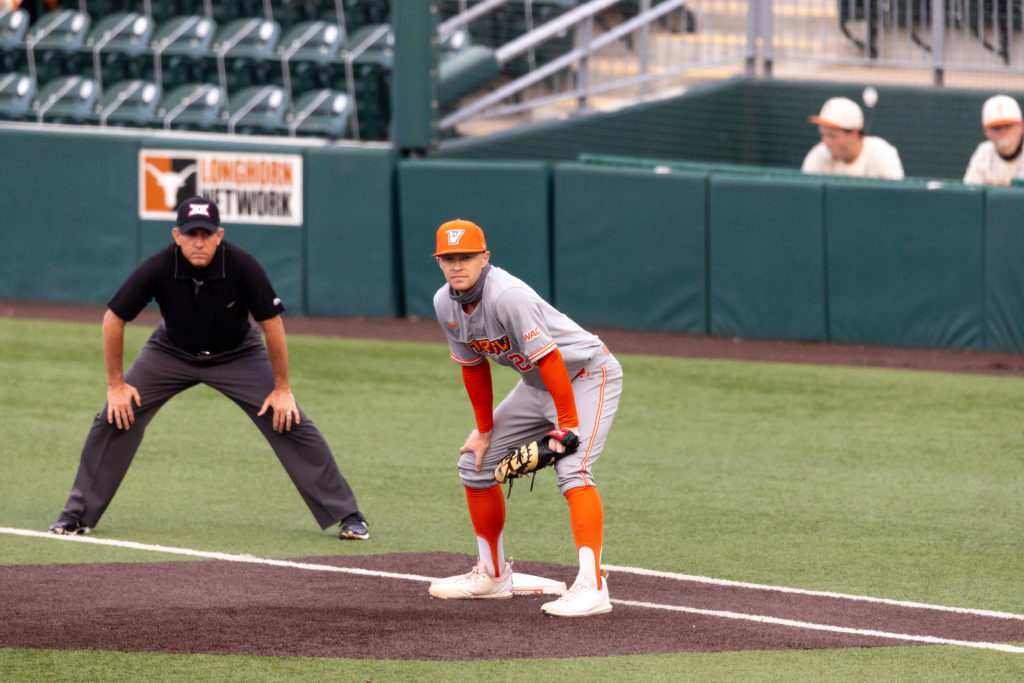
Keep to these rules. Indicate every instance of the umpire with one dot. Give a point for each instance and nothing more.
(206, 288)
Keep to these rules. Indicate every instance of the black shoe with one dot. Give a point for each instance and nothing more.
(68, 527)
(354, 527)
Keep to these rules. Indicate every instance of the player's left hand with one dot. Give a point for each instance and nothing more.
(477, 444)
(286, 411)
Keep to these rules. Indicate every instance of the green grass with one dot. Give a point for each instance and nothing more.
(897, 484)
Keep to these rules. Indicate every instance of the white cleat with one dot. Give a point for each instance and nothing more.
(478, 583)
(581, 600)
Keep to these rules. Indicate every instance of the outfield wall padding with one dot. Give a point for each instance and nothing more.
(630, 248)
(700, 249)
(68, 217)
(508, 200)
(69, 213)
(1004, 269)
(905, 265)
(766, 258)
(352, 266)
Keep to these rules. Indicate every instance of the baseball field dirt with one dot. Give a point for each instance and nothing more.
(221, 607)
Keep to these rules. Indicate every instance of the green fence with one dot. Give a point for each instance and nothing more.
(69, 211)
(702, 248)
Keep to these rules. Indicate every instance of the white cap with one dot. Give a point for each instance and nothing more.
(1000, 110)
(840, 112)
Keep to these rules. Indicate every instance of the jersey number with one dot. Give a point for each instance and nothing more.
(520, 362)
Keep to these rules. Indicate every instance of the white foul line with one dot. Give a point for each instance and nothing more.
(801, 591)
(250, 559)
(824, 627)
(217, 556)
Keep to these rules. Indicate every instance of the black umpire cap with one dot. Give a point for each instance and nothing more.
(198, 212)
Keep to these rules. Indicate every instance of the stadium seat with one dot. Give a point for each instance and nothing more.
(258, 109)
(129, 104)
(66, 99)
(226, 11)
(288, 13)
(193, 106)
(370, 52)
(118, 46)
(310, 56)
(179, 50)
(13, 27)
(17, 91)
(359, 13)
(320, 113)
(166, 10)
(244, 53)
(53, 44)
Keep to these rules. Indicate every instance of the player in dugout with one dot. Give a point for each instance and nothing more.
(999, 160)
(569, 385)
(845, 149)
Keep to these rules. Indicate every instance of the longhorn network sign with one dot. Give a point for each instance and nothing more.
(264, 189)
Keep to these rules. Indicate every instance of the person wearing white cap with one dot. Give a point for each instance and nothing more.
(998, 160)
(845, 149)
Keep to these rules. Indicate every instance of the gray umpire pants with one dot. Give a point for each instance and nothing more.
(244, 374)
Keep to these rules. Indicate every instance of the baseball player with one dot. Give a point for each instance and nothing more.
(206, 288)
(569, 380)
(845, 149)
(998, 160)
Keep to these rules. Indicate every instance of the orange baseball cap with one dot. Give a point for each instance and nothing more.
(460, 237)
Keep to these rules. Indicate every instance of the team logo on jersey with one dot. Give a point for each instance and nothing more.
(532, 334)
(454, 236)
(493, 347)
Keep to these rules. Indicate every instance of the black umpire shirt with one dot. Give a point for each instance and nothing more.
(205, 310)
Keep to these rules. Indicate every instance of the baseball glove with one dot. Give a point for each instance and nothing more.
(534, 456)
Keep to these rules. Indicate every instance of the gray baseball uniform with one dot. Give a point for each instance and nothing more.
(515, 327)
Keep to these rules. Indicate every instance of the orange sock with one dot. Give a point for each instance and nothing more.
(586, 515)
(487, 511)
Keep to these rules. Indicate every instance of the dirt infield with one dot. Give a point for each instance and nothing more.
(220, 607)
(217, 607)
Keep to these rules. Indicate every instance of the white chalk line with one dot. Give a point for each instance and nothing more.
(802, 591)
(250, 559)
(933, 640)
(227, 557)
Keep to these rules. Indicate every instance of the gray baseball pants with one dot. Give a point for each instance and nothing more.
(244, 374)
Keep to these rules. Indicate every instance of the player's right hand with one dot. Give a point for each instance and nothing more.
(477, 444)
(119, 404)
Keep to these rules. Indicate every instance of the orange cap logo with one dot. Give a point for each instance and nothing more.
(460, 237)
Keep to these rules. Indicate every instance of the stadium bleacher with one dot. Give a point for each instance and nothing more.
(277, 67)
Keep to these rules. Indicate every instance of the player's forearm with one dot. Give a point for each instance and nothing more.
(277, 348)
(477, 379)
(556, 381)
(113, 348)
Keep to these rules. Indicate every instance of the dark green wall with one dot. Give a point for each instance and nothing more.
(69, 210)
(630, 248)
(67, 215)
(696, 248)
(510, 201)
(767, 257)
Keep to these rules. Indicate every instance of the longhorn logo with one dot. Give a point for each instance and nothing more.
(171, 181)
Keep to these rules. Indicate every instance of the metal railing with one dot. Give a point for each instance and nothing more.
(666, 46)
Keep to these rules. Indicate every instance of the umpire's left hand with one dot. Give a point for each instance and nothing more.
(286, 411)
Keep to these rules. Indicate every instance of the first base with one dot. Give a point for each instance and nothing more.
(528, 584)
